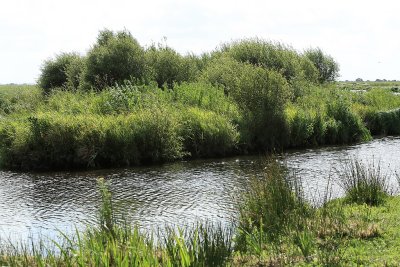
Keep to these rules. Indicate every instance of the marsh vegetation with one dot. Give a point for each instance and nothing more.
(123, 104)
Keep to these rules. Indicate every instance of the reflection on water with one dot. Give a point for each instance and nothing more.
(177, 193)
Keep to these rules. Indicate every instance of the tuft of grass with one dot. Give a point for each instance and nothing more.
(364, 183)
(272, 206)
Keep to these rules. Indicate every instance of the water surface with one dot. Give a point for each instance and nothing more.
(177, 193)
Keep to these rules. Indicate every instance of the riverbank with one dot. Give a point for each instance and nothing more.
(134, 125)
(339, 233)
(350, 235)
(123, 104)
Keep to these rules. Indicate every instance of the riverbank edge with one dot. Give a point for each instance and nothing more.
(372, 238)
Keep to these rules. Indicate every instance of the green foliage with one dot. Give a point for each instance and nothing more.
(384, 122)
(19, 99)
(74, 72)
(324, 115)
(271, 206)
(327, 67)
(55, 141)
(121, 126)
(346, 127)
(206, 133)
(114, 58)
(261, 96)
(167, 67)
(272, 56)
(59, 72)
(364, 183)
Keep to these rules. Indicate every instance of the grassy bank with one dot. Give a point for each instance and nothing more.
(131, 125)
(276, 227)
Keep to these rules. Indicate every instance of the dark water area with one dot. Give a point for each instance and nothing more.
(180, 193)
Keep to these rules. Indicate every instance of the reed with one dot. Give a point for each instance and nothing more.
(364, 183)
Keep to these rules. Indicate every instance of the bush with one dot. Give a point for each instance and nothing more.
(57, 141)
(272, 56)
(383, 122)
(114, 58)
(261, 96)
(327, 67)
(167, 67)
(74, 72)
(59, 72)
(206, 133)
(347, 126)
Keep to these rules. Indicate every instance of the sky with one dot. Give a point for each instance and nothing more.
(362, 36)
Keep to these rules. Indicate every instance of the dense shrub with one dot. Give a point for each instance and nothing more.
(114, 58)
(346, 126)
(383, 122)
(327, 67)
(261, 96)
(74, 72)
(207, 97)
(51, 141)
(167, 67)
(274, 56)
(206, 133)
(59, 71)
(307, 127)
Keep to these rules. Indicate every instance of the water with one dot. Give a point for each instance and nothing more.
(180, 193)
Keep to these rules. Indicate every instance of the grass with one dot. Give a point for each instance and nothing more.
(363, 183)
(341, 232)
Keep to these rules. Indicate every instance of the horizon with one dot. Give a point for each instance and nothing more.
(362, 36)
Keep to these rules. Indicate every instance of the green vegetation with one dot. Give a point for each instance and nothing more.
(276, 227)
(123, 104)
(364, 184)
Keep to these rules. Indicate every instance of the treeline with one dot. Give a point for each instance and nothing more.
(117, 57)
(123, 104)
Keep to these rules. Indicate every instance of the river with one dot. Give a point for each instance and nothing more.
(41, 204)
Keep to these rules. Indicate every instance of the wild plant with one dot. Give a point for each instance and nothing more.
(364, 183)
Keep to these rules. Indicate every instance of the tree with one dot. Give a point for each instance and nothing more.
(114, 58)
(54, 72)
(327, 67)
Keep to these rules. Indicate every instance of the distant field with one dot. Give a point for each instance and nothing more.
(394, 86)
(19, 98)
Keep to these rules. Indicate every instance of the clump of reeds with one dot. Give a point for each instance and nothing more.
(272, 206)
(364, 183)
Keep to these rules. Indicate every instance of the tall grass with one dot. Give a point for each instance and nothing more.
(364, 183)
(123, 126)
(271, 207)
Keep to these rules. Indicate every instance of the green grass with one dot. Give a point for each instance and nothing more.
(342, 232)
(16, 99)
(363, 183)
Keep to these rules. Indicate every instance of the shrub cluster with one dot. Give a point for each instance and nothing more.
(121, 126)
(249, 95)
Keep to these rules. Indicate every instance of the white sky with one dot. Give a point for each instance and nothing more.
(363, 36)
